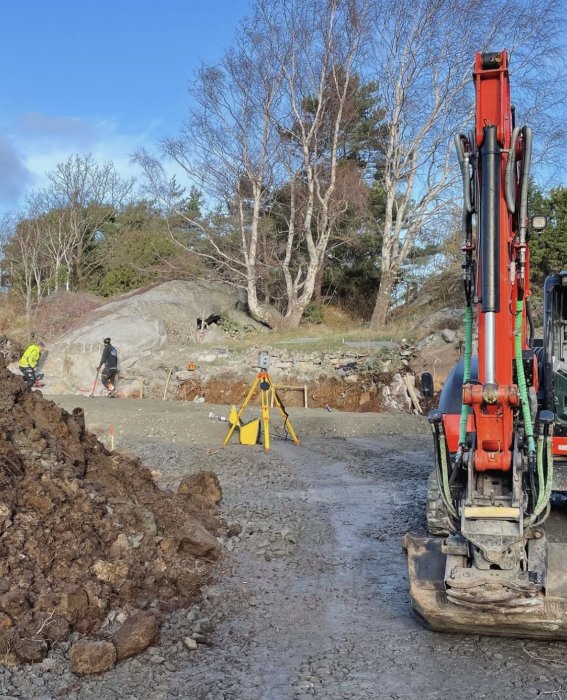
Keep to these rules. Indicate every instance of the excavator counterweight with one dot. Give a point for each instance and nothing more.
(490, 568)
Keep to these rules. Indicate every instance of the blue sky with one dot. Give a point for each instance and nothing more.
(98, 76)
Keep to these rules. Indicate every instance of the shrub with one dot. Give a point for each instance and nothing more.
(313, 314)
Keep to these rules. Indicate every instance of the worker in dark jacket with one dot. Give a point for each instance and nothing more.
(109, 363)
(29, 361)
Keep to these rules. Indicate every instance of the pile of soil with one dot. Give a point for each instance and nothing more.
(85, 532)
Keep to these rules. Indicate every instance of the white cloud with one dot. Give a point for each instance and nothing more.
(15, 177)
(35, 143)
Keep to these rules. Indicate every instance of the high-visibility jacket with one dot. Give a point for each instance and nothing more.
(31, 356)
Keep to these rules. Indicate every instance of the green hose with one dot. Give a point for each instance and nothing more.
(542, 486)
(522, 386)
(549, 484)
(466, 372)
(444, 485)
(545, 485)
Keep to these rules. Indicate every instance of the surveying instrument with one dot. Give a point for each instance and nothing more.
(250, 432)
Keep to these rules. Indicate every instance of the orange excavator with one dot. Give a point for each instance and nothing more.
(500, 431)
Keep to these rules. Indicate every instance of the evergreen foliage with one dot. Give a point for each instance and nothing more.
(548, 248)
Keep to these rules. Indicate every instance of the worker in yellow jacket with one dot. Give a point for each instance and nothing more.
(29, 361)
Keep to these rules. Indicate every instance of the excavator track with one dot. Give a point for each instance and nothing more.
(545, 617)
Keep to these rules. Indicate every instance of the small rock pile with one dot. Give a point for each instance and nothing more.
(87, 536)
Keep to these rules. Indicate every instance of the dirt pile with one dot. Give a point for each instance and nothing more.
(85, 533)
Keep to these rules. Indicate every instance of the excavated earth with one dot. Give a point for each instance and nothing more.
(323, 393)
(310, 598)
(85, 533)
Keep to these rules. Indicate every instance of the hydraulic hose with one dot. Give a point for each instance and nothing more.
(545, 479)
(524, 182)
(463, 147)
(541, 480)
(444, 485)
(549, 453)
(522, 386)
(510, 178)
(531, 326)
(466, 372)
(463, 156)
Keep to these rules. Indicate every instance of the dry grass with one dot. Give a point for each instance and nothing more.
(60, 313)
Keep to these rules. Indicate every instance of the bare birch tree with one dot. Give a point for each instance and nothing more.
(316, 47)
(25, 255)
(58, 240)
(230, 147)
(423, 60)
(81, 197)
(269, 118)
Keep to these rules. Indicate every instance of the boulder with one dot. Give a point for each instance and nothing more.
(437, 356)
(89, 656)
(189, 643)
(192, 538)
(441, 319)
(204, 484)
(137, 633)
(351, 379)
(30, 650)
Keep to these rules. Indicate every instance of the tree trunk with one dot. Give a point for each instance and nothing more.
(263, 313)
(293, 317)
(383, 299)
(29, 302)
(57, 273)
(317, 297)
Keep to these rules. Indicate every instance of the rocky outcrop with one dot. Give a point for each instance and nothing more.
(140, 324)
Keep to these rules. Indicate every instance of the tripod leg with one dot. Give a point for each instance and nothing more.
(287, 423)
(266, 417)
(241, 411)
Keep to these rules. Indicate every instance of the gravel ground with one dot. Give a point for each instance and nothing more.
(311, 599)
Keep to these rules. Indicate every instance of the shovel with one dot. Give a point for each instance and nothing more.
(94, 384)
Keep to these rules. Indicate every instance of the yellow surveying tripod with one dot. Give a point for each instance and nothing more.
(267, 392)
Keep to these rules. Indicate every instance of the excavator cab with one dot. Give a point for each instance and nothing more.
(553, 367)
(555, 350)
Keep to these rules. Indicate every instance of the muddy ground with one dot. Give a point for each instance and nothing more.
(311, 599)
